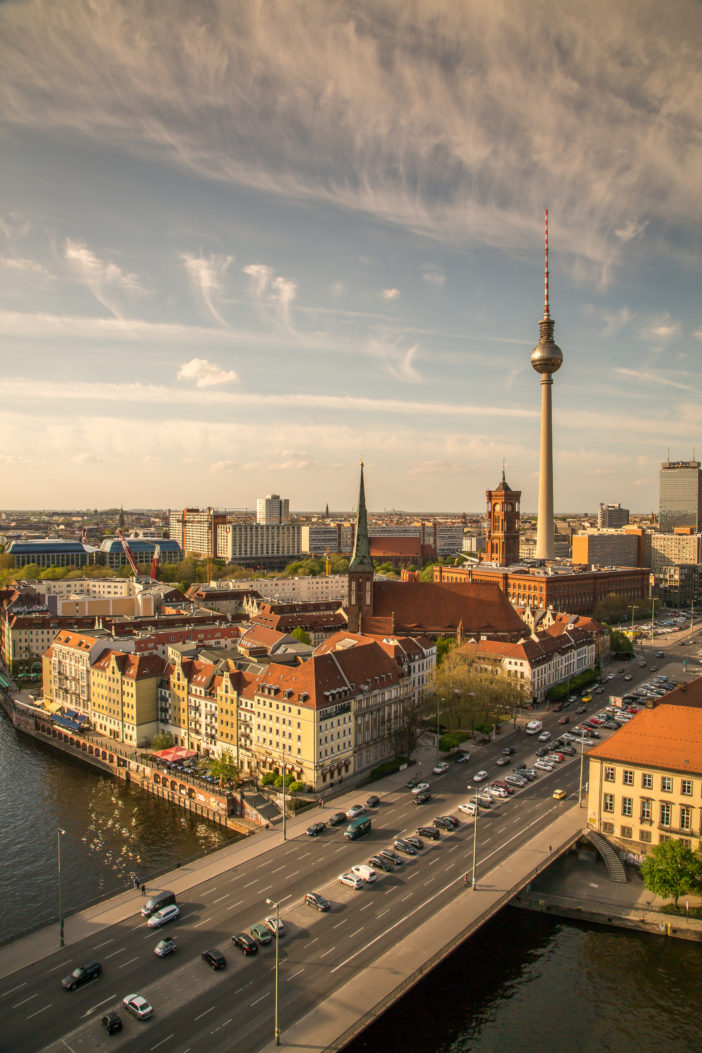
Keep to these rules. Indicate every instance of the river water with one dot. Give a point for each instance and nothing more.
(525, 983)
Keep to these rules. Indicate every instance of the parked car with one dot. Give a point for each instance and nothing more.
(261, 934)
(542, 751)
(496, 791)
(504, 785)
(462, 758)
(416, 842)
(337, 819)
(112, 1022)
(380, 863)
(276, 926)
(215, 959)
(354, 811)
(484, 800)
(82, 974)
(480, 776)
(138, 1006)
(391, 856)
(543, 765)
(403, 846)
(529, 774)
(246, 944)
(351, 880)
(420, 788)
(372, 801)
(568, 750)
(364, 872)
(165, 947)
(469, 807)
(446, 822)
(315, 829)
(515, 780)
(440, 768)
(316, 900)
(430, 833)
(163, 916)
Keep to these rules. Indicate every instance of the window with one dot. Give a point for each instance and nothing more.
(686, 787)
(608, 828)
(685, 818)
(608, 803)
(627, 806)
(647, 780)
(667, 783)
(628, 777)
(645, 810)
(665, 814)
(626, 832)
(609, 774)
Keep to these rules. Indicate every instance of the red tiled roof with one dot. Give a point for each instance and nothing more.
(440, 607)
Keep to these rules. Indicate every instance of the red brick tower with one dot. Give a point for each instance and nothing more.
(502, 532)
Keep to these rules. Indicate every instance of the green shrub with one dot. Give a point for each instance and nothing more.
(388, 767)
(484, 729)
(450, 741)
(296, 786)
(268, 779)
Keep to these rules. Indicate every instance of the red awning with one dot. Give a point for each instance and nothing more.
(175, 753)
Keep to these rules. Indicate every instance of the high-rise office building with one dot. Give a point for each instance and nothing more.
(272, 509)
(612, 516)
(680, 495)
(546, 358)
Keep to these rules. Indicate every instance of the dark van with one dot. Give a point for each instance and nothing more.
(357, 828)
(163, 899)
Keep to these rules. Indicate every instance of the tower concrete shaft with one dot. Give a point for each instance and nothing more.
(544, 526)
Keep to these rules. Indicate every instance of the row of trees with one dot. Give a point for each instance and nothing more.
(467, 696)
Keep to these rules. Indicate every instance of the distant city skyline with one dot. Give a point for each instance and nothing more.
(217, 283)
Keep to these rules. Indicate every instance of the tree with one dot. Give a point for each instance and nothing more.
(406, 730)
(222, 767)
(620, 643)
(301, 635)
(671, 869)
(162, 741)
(443, 646)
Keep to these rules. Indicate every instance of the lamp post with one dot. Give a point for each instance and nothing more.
(436, 761)
(285, 809)
(59, 835)
(580, 787)
(272, 903)
(475, 836)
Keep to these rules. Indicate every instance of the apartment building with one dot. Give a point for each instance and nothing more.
(256, 544)
(124, 695)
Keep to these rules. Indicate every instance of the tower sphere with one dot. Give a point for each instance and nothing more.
(547, 356)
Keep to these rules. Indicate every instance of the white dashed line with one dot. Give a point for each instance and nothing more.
(24, 1001)
(38, 1011)
(166, 1039)
(129, 962)
(351, 935)
(342, 922)
(327, 952)
(198, 923)
(218, 900)
(204, 1014)
(116, 952)
(260, 999)
(296, 974)
(20, 986)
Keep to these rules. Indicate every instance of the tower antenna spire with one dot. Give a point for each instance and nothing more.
(546, 307)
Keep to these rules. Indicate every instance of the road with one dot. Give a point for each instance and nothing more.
(196, 1009)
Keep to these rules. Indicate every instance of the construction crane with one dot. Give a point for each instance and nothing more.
(155, 563)
(128, 553)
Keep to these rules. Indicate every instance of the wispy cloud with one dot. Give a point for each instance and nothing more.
(645, 377)
(434, 275)
(615, 321)
(395, 359)
(206, 374)
(631, 229)
(206, 275)
(660, 331)
(24, 266)
(105, 280)
(273, 294)
(390, 294)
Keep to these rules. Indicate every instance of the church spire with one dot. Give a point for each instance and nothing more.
(361, 558)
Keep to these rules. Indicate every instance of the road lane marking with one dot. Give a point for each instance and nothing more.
(97, 1006)
(266, 889)
(198, 923)
(162, 1041)
(342, 922)
(432, 861)
(24, 1001)
(18, 988)
(327, 952)
(351, 936)
(204, 1014)
(453, 848)
(386, 911)
(304, 855)
(313, 941)
(209, 891)
(237, 904)
(38, 1011)
(240, 989)
(55, 968)
(408, 896)
(118, 951)
(293, 873)
(341, 849)
(259, 999)
(367, 905)
(248, 884)
(289, 978)
(103, 944)
(276, 870)
(129, 962)
(218, 900)
(67, 1045)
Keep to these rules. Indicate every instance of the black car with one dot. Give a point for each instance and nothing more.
(404, 846)
(422, 798)
(542, 751)
(508, 751)
(111, 1022)
(81, 975)
(245, 943)
(445, 822)
(519, 767)
(372, 801)
(529, 774)
(316, 900)
(430, 833)
(501, 761)
(381, 864)
(337, 819)
(215, 959)
(568, 750)
(414, 781)
(315, 829)
(392, 857)
(416, 842)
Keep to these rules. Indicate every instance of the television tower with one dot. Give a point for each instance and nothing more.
(546, 358)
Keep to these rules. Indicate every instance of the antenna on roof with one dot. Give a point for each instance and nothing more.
(546, 309)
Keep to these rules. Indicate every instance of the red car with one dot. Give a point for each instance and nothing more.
(564, 720)
(596, 721)
(633, 709)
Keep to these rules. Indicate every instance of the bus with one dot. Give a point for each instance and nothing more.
(357, 828)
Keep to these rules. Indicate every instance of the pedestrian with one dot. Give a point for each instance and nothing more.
(143, 889)
(319, 802)
(137, 882)
(549, 850)
(466, 879)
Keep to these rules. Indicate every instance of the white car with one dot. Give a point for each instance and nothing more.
(515, 780)
(470, 807)
(544, 736)
(440, 768)
(163, 916)
(610, 676)
(420, 788)
(138, 1006)
(364, 872)
(351, 880)
(543, 765)
(355, 810)
(480, 776)
(274, 925)
(497, 791)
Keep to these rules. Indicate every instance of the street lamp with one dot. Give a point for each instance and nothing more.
(437, 731)
(580, 787)
(285, 809)
(475, 836)
(272, 903)
(59, 835)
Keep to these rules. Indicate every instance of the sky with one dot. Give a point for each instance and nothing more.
(246, 245)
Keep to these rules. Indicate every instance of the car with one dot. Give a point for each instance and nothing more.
(660, 654)
(558, 795)
(445, 822)
(480, 776)
(642, 665)
(633, 709)
(316, 900)
(423, 798)
(588, 698)
(529, 774)
(543, 765)
(544, 736)
(404, 846)
(82, 974)
(594, 734)
(542, 751)
(581, 709)
(392, 857)
(420, 788)
(628, 676)
(112, 1022)
(276, 926)
(246, 944)
(416, 842)
(469, 807)
(315, 829)
(558, 707)
(379, 863)
(515, 780)
(413, 781)
(137, 1005)
(373, 801)
(504, 785)
(351, 880)
(610, 676)
(165, 947)
(501, 761)
(429, 833)
(462, 758)
(215, 959)
(440, 768)
(568, 750)
(519, 767)
(564, 720)
(354, 811)
(508, 751)
(261, 934)
(484, 800)
(554, 758)
(337, 819)
(364, 872)
(654, 668)
(596, 721)
(163, 916)
(610, 725)
(497, 791)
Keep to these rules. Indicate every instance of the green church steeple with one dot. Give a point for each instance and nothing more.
(361, 561)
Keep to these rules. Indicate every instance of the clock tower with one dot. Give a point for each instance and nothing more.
(502, 533)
